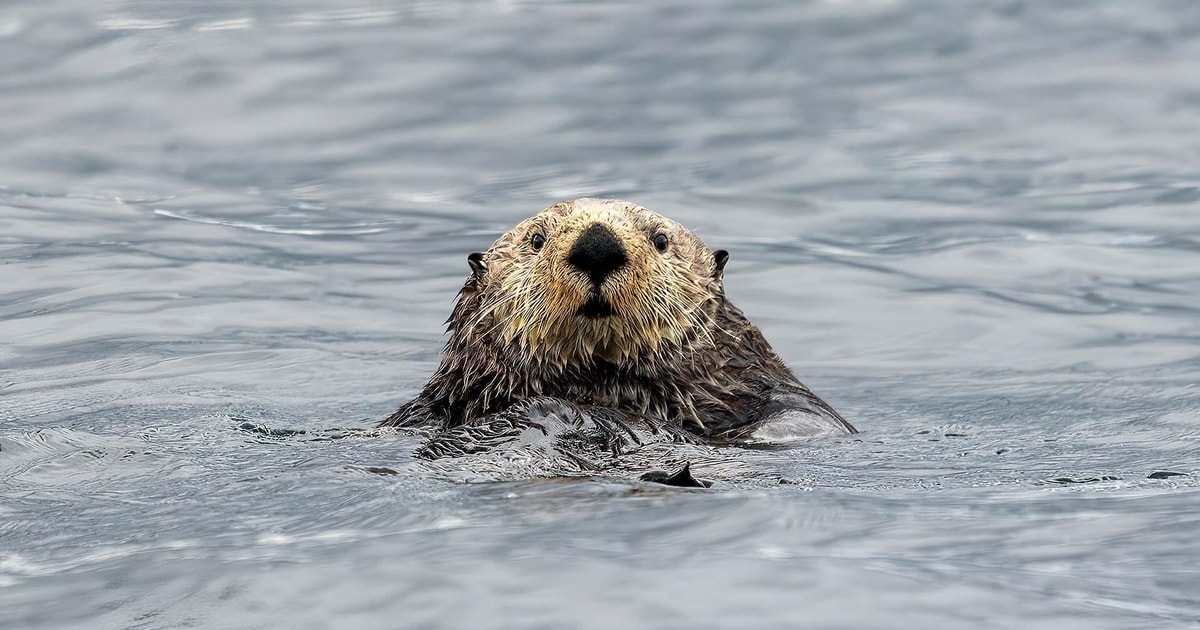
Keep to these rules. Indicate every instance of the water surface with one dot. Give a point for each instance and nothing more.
(971, 227)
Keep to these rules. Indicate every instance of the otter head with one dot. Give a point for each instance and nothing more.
(590, 281)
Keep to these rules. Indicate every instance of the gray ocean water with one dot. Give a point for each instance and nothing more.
(972, 227)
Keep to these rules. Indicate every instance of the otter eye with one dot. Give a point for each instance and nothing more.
(660, 242)
(537, 241)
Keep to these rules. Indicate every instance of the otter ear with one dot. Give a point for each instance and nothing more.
(476, 261)
(720, 257)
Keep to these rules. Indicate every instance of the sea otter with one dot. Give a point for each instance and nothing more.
(600, 316)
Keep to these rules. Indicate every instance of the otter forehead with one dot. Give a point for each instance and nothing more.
(580, 212)
(577, 214)
(611, 210)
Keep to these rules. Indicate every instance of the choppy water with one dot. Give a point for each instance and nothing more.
(973, 227)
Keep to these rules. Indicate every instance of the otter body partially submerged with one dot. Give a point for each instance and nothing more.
(618, 316)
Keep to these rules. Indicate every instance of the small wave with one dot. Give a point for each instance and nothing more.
(273, 229)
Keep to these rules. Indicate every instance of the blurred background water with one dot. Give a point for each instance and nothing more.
(972, 227)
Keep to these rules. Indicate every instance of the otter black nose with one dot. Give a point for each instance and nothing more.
(597, 252)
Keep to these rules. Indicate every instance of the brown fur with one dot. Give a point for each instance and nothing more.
(674, 352)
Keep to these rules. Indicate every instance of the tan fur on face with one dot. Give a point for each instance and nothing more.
(661, 301)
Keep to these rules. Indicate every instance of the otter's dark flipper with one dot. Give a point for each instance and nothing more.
(681, 479)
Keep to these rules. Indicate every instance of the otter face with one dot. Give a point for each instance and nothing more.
(596, 279)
